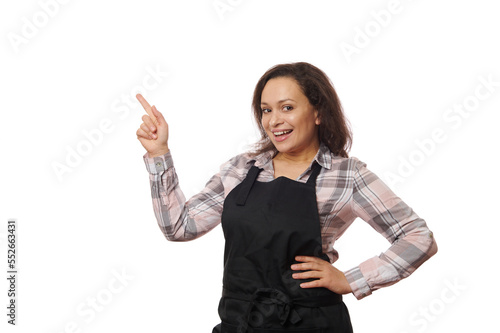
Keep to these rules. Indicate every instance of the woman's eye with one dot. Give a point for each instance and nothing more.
(266, 110)
(288, 108)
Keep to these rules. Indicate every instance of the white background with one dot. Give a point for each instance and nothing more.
(67, 73)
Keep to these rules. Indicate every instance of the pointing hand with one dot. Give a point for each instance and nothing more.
(153, 132)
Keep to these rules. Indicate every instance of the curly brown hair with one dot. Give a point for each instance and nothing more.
(334, 130)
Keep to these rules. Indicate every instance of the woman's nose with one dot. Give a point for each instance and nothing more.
(275, 119)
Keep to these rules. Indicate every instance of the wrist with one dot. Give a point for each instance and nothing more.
(157, 153)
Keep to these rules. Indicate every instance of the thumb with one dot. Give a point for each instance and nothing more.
(158, 115)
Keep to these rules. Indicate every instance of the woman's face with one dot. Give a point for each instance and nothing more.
(290, 121)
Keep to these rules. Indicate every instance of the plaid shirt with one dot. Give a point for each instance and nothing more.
(345, 190)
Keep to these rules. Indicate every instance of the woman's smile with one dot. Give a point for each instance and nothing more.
(281, 135)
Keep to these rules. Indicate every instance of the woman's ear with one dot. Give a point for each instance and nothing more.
(317, 121)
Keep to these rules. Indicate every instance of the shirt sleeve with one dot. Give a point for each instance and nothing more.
(412, 241)
(178, 219)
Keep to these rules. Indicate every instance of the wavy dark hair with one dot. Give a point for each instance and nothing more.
(334, 128)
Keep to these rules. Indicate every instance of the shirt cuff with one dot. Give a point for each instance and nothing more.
(357, 281)
(158, 164)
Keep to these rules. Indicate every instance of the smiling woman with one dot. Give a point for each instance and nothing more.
(283, 206)
(313, 87)
(290, 122)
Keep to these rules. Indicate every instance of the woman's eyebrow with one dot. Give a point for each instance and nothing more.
(280, 101)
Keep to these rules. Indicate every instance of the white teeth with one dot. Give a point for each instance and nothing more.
(282, 132)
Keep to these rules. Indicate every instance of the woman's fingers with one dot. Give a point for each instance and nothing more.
(149, 123)
(323, 271)
(146, 107)
(307, 263)
(146, 129)
(157, 113)
(313, 284)
(311, 272)
(155, 116)
(142, 134)
(153, 132)
(158, 116)
(304, 266)
(308, 259)
(307, 275)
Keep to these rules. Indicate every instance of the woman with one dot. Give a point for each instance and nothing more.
(282, 208)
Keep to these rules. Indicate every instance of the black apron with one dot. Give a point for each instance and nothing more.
(267, 224)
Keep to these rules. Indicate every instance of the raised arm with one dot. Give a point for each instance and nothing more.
(178, 219)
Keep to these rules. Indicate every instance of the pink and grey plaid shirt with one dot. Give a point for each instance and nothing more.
(345, 190)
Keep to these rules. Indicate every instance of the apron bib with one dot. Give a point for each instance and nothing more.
(267, 224)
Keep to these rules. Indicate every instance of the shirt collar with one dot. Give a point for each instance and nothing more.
(323, 157)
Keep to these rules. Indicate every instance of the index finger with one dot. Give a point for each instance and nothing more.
(146, 106)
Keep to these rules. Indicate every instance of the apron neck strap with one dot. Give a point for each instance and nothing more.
(246, 185)
(316, 168)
